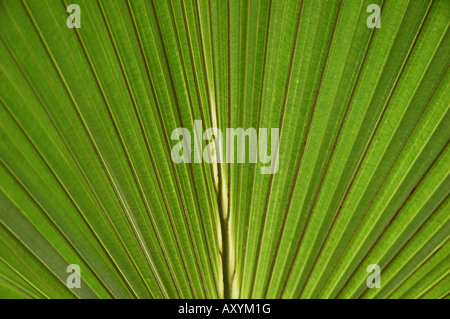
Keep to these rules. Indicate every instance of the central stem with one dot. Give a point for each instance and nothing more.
(224, 218)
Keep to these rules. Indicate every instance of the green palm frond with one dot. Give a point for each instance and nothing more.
(87, 177)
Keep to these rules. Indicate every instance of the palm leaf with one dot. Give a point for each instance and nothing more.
(87, 176)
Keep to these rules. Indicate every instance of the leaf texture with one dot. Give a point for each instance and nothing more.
(87, 178)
